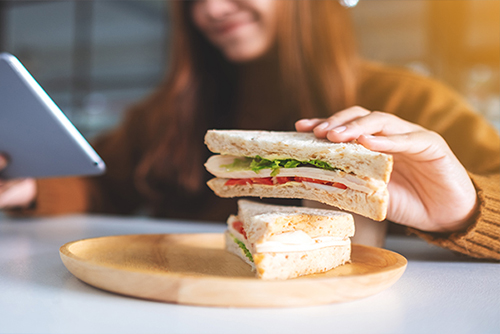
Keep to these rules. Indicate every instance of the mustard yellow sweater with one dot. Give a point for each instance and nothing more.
(409, 96)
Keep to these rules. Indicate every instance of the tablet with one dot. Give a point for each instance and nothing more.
(35, 135)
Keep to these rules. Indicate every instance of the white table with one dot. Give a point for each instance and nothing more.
(438, 293)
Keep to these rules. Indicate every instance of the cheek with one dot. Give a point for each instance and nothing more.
(262, 33)
(266, 10)
(198, 17)
(252, 42)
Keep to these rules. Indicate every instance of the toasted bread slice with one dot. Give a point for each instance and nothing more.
(350, 157)
(262, 221)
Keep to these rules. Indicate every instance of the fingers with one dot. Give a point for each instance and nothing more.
(320, 127)
(374, 123)
(378, 131)
(17, 193)
(338, 120)
(307, 125)
(349, 124)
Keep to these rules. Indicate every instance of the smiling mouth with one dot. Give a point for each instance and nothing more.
(230, 27)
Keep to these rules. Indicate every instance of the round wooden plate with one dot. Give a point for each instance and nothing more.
(195, 269)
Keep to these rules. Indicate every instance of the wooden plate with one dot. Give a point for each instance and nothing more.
(195, 269)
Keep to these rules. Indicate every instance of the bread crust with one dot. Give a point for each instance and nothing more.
(350, 157)
(373, 206)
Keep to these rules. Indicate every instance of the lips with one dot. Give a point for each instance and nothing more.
(231, 24)
(227, 27)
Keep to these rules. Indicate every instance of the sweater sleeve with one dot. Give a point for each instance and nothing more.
(482, 238)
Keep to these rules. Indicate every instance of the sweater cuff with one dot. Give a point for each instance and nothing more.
(56, 197)
(482, 238)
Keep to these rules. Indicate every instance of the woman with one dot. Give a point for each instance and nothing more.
(263, 64)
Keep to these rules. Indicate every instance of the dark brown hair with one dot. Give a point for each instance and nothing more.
(316, 56)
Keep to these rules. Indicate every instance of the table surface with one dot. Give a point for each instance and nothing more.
(439, 292)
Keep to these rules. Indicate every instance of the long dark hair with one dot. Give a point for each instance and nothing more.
(316, 55)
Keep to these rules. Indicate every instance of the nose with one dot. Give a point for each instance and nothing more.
(218, 9)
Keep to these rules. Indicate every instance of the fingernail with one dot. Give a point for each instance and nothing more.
(339, 129)
(322, 126)
(306, 121)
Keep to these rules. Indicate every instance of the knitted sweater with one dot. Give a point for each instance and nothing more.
(414, 98)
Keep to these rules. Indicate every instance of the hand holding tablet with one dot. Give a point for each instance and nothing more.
(36, 138)
(16, 193)
(35, 135)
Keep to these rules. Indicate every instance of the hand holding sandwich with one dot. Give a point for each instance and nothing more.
(429, 188)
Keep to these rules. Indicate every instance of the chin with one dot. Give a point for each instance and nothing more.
(244, 54)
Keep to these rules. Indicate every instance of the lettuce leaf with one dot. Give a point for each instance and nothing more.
(321, 164)
(238, 164)
(243, 248)
(258, 163)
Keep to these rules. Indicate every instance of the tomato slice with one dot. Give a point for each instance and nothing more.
(238, 226)
(283, 179)
(238, 182)
(257, 180)
(263, 180)
(270, 181)
(307, 179)
(339, 185)
(327, 183)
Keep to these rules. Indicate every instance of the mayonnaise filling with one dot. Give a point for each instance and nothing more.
(364, 184)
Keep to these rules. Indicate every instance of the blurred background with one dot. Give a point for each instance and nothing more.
(95, 58)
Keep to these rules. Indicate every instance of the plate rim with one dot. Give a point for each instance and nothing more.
(226, 291)
(400, 264)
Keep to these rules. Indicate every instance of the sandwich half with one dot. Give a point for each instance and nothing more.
(282, 242)
(299, 165)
